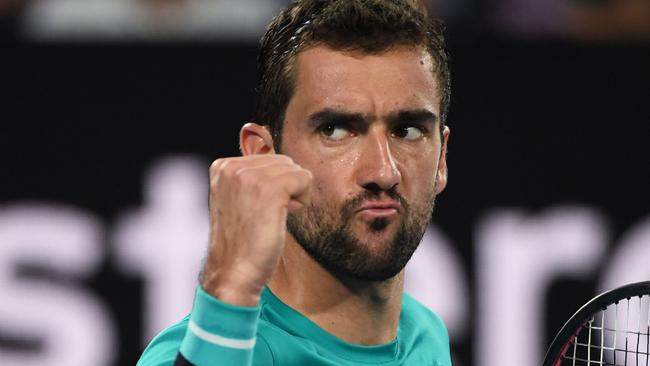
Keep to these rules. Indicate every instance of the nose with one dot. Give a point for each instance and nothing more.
(377, 169)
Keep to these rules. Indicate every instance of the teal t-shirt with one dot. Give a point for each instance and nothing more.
(273, 333)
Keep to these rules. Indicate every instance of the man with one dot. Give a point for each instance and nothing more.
(312, 227)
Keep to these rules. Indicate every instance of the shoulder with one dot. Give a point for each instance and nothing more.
(419, 326)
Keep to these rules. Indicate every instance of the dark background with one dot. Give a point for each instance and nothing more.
(535, 121)
(533, 124)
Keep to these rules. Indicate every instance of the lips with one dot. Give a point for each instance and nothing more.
(380, 208)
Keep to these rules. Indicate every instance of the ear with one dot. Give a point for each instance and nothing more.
(441, 174)
(255, 139)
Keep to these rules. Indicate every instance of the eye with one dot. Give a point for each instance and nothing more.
(334, 132)
(408, 133)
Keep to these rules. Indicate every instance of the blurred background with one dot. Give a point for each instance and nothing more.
(112, 110)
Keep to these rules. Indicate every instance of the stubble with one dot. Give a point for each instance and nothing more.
(325, 232)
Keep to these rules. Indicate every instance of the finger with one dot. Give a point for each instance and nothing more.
(229, 167)
(298, 185)
(279, 180)
(252, 161)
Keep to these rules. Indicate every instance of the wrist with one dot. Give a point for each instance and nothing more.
(232, 291)
(235, 296)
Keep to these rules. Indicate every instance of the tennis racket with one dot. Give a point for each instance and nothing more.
(611, 329)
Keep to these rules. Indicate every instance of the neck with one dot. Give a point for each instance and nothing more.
(355, 311)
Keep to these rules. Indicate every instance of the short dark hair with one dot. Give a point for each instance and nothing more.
(368, 26)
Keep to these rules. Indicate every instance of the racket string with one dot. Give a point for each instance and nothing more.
(615, 336)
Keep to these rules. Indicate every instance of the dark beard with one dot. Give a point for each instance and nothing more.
(326, 235)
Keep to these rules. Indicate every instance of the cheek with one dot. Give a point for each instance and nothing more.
(331, 184)
(325, 182)
(420, 172)
(418, 163)
(332, 170)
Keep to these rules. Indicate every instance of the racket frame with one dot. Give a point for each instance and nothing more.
(573, 326)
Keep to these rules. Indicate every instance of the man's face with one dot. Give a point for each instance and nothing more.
(367, 128)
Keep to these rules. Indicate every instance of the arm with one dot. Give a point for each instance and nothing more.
(250, 198)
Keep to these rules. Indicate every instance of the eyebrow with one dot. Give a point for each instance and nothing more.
(416, 116)
(329, 115)
(333, 116)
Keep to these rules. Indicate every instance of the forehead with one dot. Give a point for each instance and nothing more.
(401, 77)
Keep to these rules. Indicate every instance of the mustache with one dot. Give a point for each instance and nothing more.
(351, 205)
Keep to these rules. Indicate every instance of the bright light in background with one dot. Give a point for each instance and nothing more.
(518, 257)
(594, 20)
(245, 20)
(242, 20)
(164, 240)
(631, 262)
(73, 325)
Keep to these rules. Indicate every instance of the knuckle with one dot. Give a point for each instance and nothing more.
(216, 165)
(285, 158)
(227, 170)
(243, 175)
(223, 172)
(214, 171)
(301, 175)
(307, 174)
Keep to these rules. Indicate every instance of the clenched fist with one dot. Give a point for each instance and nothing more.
(250, 198)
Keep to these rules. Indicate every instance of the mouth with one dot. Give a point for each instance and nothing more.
(377, 209)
